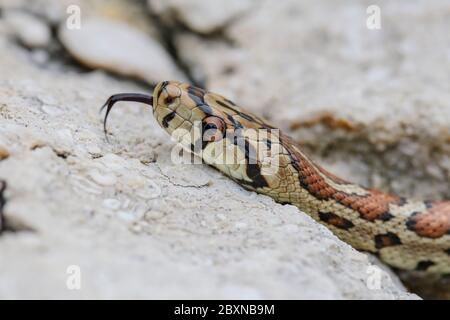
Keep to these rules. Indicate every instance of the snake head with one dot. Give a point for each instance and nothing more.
(187, 112)
(180, 108)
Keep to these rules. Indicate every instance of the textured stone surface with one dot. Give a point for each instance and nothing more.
(141, 227)
(137, 225)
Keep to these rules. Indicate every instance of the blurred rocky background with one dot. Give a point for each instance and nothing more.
(372, 105)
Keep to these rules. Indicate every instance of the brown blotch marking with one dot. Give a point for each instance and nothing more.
(386, 240)
(167, 118)
(432, 223)
(254, 173)
(424, 265)
(335, 220)
(447, 251)
(253, 169)
(373, 206)
(249, 151)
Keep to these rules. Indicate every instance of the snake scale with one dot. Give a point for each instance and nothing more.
(405, 234)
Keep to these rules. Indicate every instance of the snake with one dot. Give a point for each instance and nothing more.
(404, 233)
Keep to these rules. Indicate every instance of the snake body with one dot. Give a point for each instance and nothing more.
(405, 234)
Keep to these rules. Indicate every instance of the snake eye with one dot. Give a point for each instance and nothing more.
(213, 129)
(169, 100)
(169, 95)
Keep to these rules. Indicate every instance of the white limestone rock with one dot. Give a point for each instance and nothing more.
(119, 48)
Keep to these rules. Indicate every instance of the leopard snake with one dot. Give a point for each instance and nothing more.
(404, 233)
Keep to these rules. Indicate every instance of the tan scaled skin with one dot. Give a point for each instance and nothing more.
(405, 234)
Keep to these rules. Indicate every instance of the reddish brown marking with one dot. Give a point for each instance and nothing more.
(374, 205)
(386, 240)
(371, 207)
(432, 223)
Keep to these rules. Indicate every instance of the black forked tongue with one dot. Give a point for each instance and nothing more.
(135, 97)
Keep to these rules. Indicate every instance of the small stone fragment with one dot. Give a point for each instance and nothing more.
(102, 178)
(4, 153)
(154, 215)
(113, 204)
(126, 216)
(119, 48)
(151, 191)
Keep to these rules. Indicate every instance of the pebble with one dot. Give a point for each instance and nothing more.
(82, 184)
(4, 153)
(136, 228)
(126, 216)
(151, 191)
(134, 180)
(113, 161)
(154, 215)
(113, 204)
(36, 143)
(240, 225)
(139, 209)
(103, 178)
(119, 48)
(30, 30)
(221, 216)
